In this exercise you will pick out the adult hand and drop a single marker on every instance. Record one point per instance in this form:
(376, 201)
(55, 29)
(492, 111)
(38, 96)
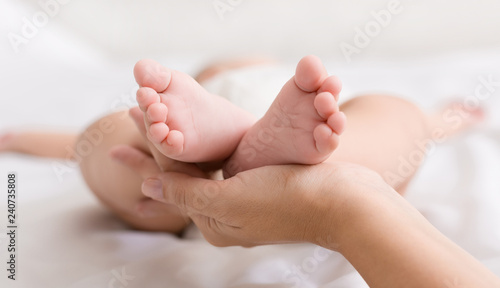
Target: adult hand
(274, 204)
(338, 206)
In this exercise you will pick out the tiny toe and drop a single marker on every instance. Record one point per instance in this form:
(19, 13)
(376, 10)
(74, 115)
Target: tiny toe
(149, 73)
(325, 104)
(326, 139)
(157, 112)
(310, 73)
(174, 142)
(333, 85)
(146, 96)
(158, 132)
(337, 122)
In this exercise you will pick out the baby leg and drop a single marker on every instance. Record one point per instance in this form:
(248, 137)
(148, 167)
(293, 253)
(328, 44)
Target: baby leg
(382, 132)
(391, 135)
(115, 185)
(53, 145)
(303, 126)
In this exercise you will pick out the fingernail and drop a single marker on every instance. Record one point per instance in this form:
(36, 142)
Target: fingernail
(153, 188)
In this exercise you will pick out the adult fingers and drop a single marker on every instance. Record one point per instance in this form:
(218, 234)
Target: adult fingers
(192, 195)
(136, 160)
(149, 208)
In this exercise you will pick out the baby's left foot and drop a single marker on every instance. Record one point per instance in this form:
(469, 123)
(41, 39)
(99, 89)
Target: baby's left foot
(183, 120)
(302, 126)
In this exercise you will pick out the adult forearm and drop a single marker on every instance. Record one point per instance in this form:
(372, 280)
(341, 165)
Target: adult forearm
(392, 245)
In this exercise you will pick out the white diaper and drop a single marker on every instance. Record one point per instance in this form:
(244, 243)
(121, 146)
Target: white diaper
(251, 88)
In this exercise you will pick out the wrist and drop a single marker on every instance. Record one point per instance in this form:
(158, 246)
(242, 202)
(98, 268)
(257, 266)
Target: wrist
(388, 241)
(350, 202)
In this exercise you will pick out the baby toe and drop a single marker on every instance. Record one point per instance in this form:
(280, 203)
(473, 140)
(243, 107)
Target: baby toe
(157, 132)
(333, 85)
(337, 122)
(310, 73)
(326, 140)
(325, 104)
(174, 143)
(157, 112)
(145, 97)
(149, 73)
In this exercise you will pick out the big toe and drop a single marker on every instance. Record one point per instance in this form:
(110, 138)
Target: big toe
(310, 73)
(149, 73)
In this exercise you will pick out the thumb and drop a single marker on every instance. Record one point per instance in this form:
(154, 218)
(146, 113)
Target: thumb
(135, 159)
(191, 194)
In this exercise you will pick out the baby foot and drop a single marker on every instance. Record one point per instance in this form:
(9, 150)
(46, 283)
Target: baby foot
(184, 121)
(302, 125)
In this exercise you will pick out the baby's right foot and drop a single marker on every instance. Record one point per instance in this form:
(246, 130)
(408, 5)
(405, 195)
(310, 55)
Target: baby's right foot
(302, 126)
(183, 120)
